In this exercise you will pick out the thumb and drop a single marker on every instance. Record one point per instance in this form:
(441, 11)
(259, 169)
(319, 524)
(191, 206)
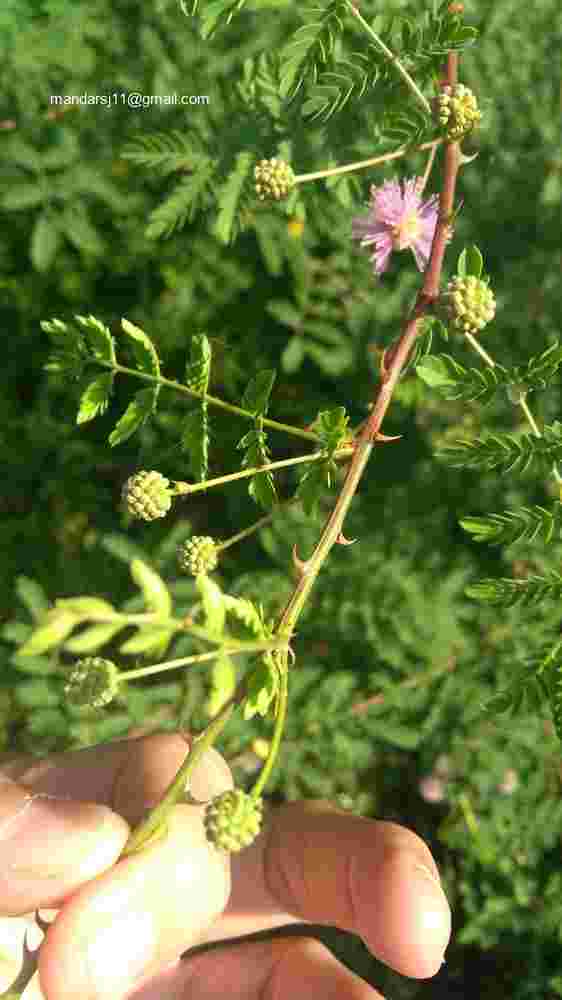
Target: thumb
(51, 845)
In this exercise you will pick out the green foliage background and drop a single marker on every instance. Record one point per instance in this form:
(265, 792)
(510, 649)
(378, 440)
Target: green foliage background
(389, 620)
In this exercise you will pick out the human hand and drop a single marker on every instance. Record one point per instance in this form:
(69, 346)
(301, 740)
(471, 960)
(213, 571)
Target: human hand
(311, 863)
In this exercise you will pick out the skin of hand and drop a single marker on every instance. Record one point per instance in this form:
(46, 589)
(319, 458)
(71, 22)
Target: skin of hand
(121, 926)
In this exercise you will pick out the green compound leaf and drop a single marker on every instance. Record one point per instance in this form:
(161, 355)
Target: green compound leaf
(470, 262)
(156, 595)
(313, 484)
(246, 612)
(515, 525)
(198, 368)
(507, 592)
(138, 411)
(195, 430)
(262, 485)
(223, 684)
(70, 352)
(45, 241)
(91, 639)
(505, 451)
(214, 606)
(230, 197)
(143, 349)
(56, 626)
(331, 427)
(98, 337)
(31, 593)
(215, 14)
(148, 640)
(311, 48)
(258, 391)
(195, 441)
(95, 398)
(262, 688)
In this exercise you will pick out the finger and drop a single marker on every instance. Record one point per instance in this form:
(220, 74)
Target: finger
(297, 967)
(161, 890)
(375, 879)
(136, 918)
(49, 846)
(313, 863)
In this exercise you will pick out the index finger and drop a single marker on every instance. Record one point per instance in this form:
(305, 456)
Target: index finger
(48, 847)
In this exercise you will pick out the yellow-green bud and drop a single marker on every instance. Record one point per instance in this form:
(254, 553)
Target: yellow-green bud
(198, 555)
(274, 179)
(92, 682)
(516, 393)
(233, 820)
(468, 304)
(147, 495)
(456, 111)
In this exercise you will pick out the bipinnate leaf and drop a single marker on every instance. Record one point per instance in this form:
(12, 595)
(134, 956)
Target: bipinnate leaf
(95, 398)
(470, 262)
(138, 411)
(195, 429)
(262, 688)
(258, 391)
(156, 595)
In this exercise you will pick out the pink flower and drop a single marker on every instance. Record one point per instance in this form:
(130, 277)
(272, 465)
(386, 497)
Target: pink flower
(431, 789)
(397, 220)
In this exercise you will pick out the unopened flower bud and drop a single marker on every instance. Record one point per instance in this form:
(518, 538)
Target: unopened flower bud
(274, 179)
(516, 393)
(92, 683)
(233, 820)
(468, 304)
(431, 788)
(147, 495)
(509, 783)
(198, 555)
(456, 111)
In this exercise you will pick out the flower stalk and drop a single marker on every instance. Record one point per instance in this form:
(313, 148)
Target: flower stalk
(374, 161)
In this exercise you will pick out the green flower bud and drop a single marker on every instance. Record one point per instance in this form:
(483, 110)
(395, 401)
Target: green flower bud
(516, 393)
(456, 111)
(468, 304)
(274, 179)
(93, 682)
(233, 820)
(147, 496)
(198, 555)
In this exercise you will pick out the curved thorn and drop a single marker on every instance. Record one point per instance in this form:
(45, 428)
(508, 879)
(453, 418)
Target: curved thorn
(387, 437)
(342, 540)
(292, 655)
(302, 567)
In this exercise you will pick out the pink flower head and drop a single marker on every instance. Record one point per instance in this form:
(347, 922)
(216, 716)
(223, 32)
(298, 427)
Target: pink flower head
(397, 220)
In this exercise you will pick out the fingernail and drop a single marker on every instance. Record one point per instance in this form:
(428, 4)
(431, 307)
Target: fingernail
(428, 874)
(430, 885)
(119, 954)
(43, 836)
(436, 914)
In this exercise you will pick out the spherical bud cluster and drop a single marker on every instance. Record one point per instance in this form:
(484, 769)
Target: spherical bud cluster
(147, 496)
(198, 555)
(233, 820)
(468, 304)
(456, 110)
(92, 683)
(274, 179)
